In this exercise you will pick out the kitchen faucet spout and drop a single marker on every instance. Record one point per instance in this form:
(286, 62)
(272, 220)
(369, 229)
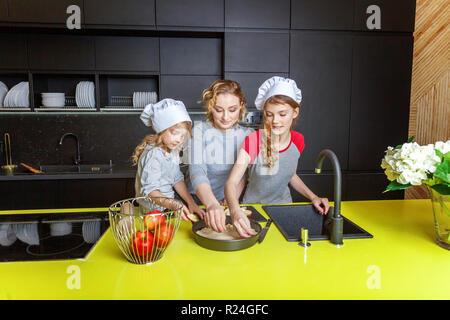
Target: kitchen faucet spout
(77, 159)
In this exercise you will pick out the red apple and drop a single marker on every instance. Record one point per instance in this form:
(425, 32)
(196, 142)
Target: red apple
(142, 243)
(163, 235)
(153, 219)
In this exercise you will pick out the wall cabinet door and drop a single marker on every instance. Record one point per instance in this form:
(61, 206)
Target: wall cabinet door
(42, 11)
(3, 10)
(186, 88)
(396, 15)
(61, 52)
(13, 52)
(191, 56)
(381, 85)
(257, 13)
(321, 65)
(127, 53)
(256, 52)
(119, 12)
(192, 13)
(322, 14)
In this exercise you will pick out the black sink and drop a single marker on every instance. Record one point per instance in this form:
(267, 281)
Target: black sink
(291, 218)
(82, 168)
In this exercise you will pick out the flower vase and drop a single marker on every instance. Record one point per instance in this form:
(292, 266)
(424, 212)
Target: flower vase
(441, 212)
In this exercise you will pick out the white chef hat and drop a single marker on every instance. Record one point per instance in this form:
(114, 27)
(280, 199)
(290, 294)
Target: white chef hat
(277, 85)
(164, 114)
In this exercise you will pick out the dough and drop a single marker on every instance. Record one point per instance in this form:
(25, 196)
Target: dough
(229, 234)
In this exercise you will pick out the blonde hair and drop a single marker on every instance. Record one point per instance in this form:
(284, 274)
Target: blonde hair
(269, 149)
(210, 94)
(156, 140)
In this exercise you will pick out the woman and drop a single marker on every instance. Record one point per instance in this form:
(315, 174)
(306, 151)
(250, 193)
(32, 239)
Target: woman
(213, 148)
(271, 154)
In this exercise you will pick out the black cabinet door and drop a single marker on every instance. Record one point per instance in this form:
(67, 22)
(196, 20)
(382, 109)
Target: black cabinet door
(322, 14)
(57, 52)
(256, 52)
(398, 15)
(321, 65)
(119, 12)
(127, 53)
(42, 11)
(192, 13)
(250, 83)
(257, 13)
(13, 52)
(186, 88)
(3, 10)
(190, 56)
(381, 84)
(368, 186)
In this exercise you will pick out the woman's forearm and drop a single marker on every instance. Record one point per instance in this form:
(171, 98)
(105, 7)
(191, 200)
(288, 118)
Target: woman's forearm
(205, 194)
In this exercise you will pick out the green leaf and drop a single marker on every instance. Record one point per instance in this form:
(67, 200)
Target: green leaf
(439, 154)
(442, 171)
(442, 188)
(394, 185)
(398, 147)
(411, 139)
(447, 156)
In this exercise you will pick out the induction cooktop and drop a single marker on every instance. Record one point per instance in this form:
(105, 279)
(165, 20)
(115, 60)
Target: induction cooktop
(50, 236)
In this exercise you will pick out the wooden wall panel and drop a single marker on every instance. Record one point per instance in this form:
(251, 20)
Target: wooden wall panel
(430, 105)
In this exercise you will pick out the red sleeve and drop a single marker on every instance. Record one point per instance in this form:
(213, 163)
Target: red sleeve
(299, 140)
(251, 145)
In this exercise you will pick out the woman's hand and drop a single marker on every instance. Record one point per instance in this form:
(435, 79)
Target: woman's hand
(321, 204)
(194, 208)
(184, 213)
(241, 223)
(215, 217)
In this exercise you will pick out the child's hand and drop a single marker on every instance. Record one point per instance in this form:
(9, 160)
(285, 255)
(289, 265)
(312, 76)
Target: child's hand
(321, 204)
(242, 224)
(194, 208)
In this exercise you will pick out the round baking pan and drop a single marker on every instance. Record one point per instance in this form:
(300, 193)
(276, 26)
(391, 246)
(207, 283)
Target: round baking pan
(225, 245)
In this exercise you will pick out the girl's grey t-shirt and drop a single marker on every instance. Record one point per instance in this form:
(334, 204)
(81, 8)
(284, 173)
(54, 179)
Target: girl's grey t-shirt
(157, 170)
(211, 155)
(271, 186)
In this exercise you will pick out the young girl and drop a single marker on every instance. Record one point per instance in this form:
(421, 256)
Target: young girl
(272, 153)
(214, 147)
(157, 157)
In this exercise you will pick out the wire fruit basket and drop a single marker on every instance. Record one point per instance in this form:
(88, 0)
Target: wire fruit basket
(143, 227)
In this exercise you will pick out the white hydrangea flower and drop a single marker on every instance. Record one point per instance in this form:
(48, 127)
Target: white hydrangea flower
(443, 147)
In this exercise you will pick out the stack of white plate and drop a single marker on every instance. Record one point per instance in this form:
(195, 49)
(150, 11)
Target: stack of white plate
(141, 99)
(91, 231)
(3, 91)
(60, 228)
(84, 96)
(7, 235)
(53, 99)
(27, 232)
(17, 96)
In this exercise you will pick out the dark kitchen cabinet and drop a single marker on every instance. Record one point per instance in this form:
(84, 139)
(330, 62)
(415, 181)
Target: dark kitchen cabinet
(18, 195)
(127, 53)
(256, 52)
(396, 15)
(380, 97)
(61, 52)
(42, 11)
(186, 88)
(250, 83)
(257, 14)
(321, 66)
(192, 13)
(3, 10)
(191, 56)
(13, 52)
(119, 12)
(322, 14)
(368, 186)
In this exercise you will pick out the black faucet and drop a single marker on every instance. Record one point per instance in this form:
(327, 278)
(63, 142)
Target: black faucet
(76, 160)
(335, 222)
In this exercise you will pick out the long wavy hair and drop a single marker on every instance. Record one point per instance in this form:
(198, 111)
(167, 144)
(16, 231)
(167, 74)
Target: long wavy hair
(210, 94)
(269, 149)
(156, 140)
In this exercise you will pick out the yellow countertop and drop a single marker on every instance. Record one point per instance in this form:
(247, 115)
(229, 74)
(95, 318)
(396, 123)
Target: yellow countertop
(402, 261)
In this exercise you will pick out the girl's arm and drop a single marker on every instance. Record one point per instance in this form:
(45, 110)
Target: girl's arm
(215, 215)
(321, 204)
(183, 192)
(240, 220)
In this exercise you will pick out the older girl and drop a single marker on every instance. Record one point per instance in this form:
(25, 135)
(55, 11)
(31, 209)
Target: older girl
(271, 154)
(213, 148)
(157, 156)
